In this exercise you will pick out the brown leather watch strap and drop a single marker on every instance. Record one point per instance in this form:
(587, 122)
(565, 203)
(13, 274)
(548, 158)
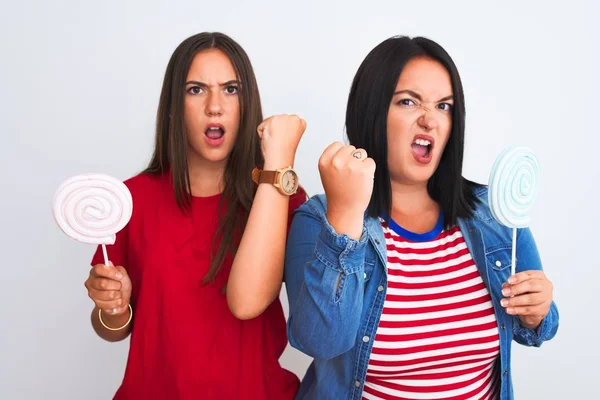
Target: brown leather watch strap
(259, 176)
(267, 177)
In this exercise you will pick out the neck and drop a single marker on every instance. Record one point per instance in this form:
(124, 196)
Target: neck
(206, 178)
(413, 208)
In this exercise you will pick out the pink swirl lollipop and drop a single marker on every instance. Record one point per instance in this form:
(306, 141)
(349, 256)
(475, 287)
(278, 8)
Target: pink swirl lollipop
(92, 208)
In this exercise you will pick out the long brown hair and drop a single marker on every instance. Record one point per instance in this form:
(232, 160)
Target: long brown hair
(170, 153)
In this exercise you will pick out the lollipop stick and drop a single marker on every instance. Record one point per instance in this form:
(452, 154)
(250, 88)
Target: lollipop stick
(105, 255)
(513, 265)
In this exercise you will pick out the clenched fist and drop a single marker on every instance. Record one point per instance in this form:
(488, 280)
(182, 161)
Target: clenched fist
(347, 175)
(110, 289)
(280, 136)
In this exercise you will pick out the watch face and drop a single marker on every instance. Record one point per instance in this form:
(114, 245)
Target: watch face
(289, 182)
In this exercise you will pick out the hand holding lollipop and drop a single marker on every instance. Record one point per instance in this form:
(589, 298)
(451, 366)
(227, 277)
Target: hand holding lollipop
(92, 208)
(513, 187)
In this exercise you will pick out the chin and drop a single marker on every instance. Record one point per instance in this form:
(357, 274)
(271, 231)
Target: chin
(413, 177)
(216, 158)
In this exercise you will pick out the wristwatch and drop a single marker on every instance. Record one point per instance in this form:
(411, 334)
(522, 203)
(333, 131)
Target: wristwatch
(284, 179)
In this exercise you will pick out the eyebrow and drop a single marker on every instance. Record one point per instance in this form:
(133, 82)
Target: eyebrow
(228, 83)
(418, 96)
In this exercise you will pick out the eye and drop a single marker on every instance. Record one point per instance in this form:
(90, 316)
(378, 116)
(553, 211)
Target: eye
(195, 90)
(445, 106)
(407, 102)
(231, 89)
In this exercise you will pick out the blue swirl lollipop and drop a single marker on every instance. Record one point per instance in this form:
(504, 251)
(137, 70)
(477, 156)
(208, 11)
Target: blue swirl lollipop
(513, 188)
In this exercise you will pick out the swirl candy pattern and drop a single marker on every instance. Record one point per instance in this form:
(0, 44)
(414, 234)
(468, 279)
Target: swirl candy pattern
(92, 208)
(513, 188)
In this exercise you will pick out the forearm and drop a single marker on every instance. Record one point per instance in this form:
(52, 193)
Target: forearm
(257, 270)
(112, 322)
(325, 286)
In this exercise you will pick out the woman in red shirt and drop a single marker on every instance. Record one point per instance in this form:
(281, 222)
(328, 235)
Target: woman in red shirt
(197, 271)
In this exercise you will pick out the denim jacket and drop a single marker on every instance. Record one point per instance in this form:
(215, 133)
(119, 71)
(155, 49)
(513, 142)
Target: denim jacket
(336, 289)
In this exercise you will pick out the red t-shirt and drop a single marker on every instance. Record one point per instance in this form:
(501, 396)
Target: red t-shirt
(185, 343)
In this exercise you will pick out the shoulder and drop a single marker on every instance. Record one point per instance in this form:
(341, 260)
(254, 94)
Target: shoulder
(143, 183)
(484, 219)
(148, 188)
(481, 211)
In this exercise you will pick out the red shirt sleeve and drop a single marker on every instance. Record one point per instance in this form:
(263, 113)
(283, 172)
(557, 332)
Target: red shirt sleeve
(296, 200)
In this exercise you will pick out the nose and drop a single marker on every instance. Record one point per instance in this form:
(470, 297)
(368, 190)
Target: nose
(427, 120)
(213, 105)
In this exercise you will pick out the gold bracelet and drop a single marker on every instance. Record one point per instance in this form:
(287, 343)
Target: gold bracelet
(115, 329)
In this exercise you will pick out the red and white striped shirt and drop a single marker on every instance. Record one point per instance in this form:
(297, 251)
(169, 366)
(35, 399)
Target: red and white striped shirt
(438, 335)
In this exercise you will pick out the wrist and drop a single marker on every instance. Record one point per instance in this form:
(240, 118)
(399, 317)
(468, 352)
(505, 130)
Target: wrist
(275, 163)
(531, 322)
(118, 321)
(346, 223)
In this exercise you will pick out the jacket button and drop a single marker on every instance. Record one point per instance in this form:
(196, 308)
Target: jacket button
(377, 241)
(505, 373)
(357, 383)
(498, 264)
(380, 288)
(503, 327)
(366, 339)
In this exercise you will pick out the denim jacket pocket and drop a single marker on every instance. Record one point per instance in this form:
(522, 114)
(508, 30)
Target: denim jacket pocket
(499, 257)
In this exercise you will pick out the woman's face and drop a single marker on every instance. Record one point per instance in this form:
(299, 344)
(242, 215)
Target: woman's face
(419, 121)
(211, 106)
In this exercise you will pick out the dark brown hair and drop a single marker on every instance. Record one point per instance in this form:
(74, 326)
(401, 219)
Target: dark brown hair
(170, 153)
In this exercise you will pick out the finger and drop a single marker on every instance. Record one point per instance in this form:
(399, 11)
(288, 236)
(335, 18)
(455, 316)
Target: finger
(99, 267)
(303, 124)
(525, 275)
(105, 295)
(101, 270)
(105, 284)
(529, 286)
(121, 270)
(262, 126)
(526, 310)
(534, 299)
(371, 166)
(345, 153)
(110, 305)
(330, 151)
(359, 154)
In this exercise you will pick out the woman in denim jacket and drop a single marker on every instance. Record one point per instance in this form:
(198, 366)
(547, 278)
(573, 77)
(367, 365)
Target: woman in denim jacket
(398, 278)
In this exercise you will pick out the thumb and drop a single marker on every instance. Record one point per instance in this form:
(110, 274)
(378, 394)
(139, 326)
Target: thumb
(122, 270)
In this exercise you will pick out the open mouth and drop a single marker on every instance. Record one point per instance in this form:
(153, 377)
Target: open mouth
(214, 132)
(422, 148)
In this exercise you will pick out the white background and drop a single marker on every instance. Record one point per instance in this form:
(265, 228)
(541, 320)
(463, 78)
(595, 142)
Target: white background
(79, 87)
